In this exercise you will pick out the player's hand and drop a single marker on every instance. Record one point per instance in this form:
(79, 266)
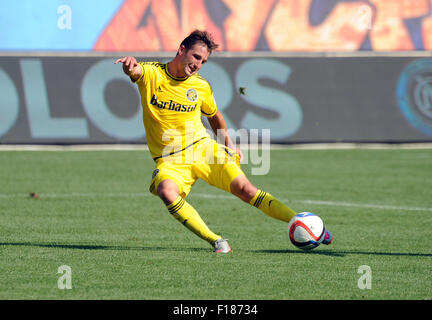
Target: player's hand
(240, 153)
(129, 63)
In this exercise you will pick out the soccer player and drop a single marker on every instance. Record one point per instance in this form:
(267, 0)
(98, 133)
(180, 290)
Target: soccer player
(174, 97)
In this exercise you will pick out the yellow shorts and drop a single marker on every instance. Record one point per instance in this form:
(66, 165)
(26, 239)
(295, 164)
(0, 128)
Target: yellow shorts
(207, 160)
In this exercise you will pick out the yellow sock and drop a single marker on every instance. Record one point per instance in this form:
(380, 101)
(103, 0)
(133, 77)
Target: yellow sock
(186, 214)
(272, 206)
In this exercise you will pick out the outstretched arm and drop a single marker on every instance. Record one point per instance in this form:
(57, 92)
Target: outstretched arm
(130, 67)
(219, 127)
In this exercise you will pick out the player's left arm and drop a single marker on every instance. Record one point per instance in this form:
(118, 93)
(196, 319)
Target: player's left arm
(219, 127)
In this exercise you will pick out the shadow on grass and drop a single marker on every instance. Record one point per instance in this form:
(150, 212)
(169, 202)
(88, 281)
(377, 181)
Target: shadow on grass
(96, 247)
(333, 253)
(344, 253)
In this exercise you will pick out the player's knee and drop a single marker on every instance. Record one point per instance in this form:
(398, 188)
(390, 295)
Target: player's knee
(249, 191)
(168, 191)
(244, 190)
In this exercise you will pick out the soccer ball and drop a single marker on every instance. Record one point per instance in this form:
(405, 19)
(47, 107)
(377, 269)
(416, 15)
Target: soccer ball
(306, 230)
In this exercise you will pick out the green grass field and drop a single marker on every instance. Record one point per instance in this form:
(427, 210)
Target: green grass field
(94, 214)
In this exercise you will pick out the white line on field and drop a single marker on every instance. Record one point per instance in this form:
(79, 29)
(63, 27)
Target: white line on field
(214, 196)
(331, 203)
(362, 205)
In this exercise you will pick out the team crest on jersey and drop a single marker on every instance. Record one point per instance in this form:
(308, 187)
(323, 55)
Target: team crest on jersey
(192, 95)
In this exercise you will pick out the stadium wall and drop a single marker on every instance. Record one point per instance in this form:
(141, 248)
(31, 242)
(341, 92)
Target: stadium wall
(303, 98)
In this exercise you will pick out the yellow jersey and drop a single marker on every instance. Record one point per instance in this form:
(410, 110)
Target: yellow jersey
(172, 108)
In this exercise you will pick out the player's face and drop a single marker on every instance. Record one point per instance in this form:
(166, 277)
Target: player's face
(193, 59)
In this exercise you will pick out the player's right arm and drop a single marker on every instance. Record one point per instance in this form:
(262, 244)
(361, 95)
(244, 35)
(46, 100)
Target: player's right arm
(131, 67)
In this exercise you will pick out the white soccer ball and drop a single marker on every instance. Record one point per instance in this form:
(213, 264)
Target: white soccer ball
(306, 230)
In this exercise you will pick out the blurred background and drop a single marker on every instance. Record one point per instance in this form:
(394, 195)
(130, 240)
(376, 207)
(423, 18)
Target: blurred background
(309, 70)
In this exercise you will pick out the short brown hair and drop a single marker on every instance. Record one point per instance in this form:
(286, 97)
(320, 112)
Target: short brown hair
(197, 36)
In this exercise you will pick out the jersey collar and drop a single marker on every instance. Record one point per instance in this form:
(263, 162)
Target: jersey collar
(171, 76)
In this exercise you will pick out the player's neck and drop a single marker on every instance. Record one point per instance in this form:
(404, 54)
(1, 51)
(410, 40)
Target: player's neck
(174, 70)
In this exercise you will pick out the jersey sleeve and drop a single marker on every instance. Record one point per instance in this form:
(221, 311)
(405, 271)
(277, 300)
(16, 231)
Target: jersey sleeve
(140, 79)
(148, 71)
(208, 107)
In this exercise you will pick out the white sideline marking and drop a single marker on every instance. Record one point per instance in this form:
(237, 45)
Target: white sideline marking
(362, 205)
(328, 203)
(214, 196)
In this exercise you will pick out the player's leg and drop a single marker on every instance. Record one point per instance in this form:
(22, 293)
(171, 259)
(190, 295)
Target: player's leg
(231, 178)
(181, 210)
(267, 203)
(225, 173)
(245, 190)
